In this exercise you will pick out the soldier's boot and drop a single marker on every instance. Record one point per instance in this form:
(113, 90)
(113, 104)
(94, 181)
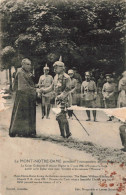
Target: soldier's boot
(61, 126)
(43, 111)
(48, 111)
(88, 114)
(67, 129)
(94, 114)
(60, 119)
(66, 126)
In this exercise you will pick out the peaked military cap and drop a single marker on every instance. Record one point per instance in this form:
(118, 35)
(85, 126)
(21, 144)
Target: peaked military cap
(108, 75)
(70, 71)
(58, 63)
(87, 73)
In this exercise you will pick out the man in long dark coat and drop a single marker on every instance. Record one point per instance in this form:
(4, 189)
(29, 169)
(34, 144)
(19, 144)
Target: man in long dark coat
(23, 120)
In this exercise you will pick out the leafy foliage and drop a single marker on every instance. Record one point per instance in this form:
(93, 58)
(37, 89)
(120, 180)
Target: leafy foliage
(86, 33)
(6, 55)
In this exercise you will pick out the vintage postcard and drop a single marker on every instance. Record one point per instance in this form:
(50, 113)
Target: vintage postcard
(62, 97)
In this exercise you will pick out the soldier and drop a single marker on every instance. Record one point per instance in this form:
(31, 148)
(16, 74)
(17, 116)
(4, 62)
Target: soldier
(108, 92)
(62, 88)
(100, 84)
(73, 95)
(89, 94)
(45, 82)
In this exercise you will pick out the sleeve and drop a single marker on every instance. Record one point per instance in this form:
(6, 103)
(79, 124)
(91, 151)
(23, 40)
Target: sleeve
(67, 89)
(15, 83)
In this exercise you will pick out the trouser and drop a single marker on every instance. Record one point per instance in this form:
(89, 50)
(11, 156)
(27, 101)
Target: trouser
(63, 124)
(45, 106)
(43, 109)
(88, 114)
(46, 110)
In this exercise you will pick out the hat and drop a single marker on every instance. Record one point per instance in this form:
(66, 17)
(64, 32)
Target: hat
(70, 71)
(87, 73)
(109, 75)
(46, 67)
(58, 63)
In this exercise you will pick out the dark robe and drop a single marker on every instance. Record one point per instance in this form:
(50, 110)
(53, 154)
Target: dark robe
(23, 119)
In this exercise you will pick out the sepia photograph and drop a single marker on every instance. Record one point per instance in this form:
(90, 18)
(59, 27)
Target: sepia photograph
(62, 97)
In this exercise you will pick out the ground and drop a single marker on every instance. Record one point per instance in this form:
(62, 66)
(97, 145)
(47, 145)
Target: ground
(103, 141)
(102, 146)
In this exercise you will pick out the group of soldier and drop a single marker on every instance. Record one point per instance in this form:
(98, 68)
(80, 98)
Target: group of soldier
(66, 90)
(107, 92)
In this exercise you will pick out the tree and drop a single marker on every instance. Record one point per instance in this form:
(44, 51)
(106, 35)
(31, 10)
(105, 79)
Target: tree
(86, 33)
(7, 55)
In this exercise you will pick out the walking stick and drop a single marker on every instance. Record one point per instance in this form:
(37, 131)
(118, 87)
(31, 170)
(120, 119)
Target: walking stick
(80, 123)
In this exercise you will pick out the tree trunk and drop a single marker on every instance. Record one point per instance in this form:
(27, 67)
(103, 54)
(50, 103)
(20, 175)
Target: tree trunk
(6, 76)
(10, 79)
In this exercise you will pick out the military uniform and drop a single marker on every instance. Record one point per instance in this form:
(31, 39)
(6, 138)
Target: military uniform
(108, 92)
(62, 86)
(73, 93)
(78, 93)
(45, 82)
(89, 92)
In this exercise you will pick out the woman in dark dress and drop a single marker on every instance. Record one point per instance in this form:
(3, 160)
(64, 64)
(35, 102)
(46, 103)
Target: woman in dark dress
(23, 119)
